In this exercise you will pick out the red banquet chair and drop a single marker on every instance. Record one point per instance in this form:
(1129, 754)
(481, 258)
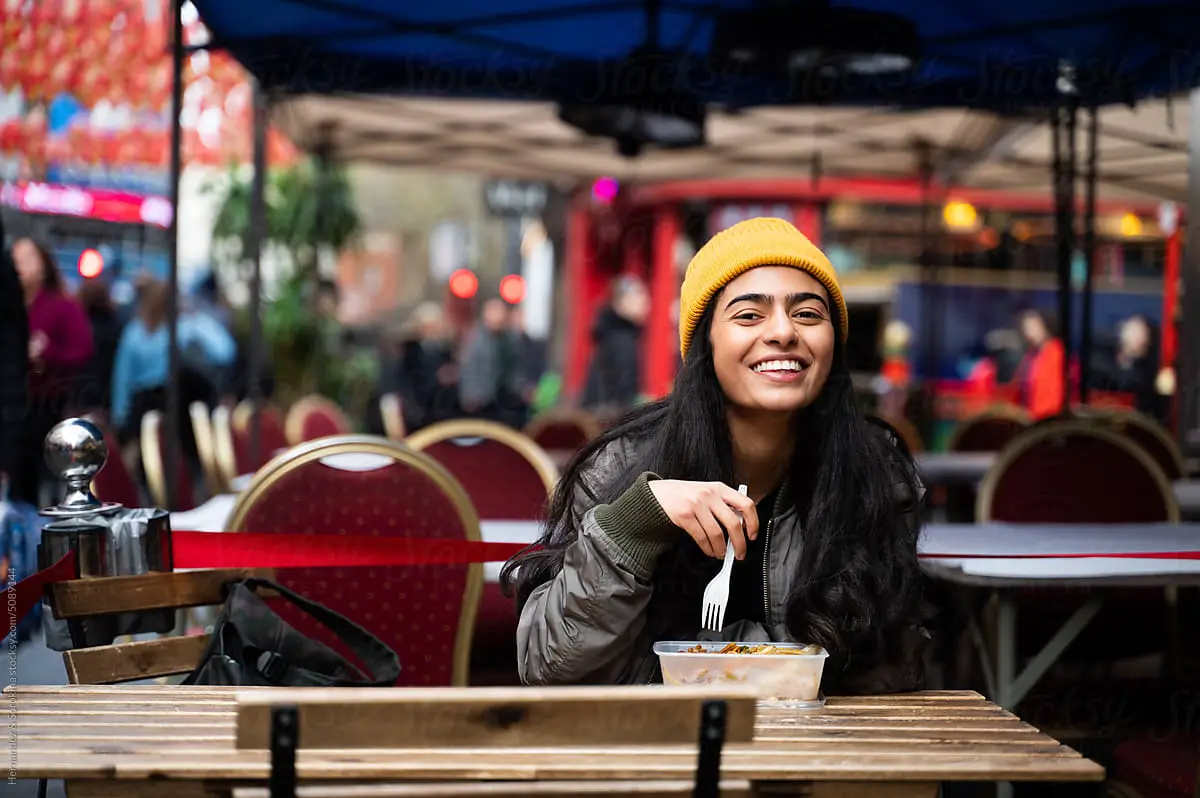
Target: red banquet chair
(272, 440)
(508, 478)
(425, 613)
(1073, 472)
(988, 431)
(315, 417)
(153, 444)
(1155, 769)
(1145, 432)
(562, 433)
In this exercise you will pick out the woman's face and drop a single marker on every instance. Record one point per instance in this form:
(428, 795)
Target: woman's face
(772, 339)
(30, 268)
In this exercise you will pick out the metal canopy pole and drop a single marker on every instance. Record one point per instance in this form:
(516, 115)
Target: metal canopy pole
(171, 446)
(1089, 250)
(1063, 136)
(1187, 382)
(257, 235)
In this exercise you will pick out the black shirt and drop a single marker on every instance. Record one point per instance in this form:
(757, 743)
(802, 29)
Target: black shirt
(746, 599)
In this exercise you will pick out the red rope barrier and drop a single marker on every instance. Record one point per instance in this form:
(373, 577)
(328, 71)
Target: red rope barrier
(200, 550)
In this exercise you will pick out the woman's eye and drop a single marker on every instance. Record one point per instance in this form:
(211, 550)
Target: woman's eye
(747, 316)
(814, 315)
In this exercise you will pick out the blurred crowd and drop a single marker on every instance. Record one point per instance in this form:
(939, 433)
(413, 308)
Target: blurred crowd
(67, 353)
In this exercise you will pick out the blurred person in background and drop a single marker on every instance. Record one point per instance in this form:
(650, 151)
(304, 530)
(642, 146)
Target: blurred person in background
(60, 345)
(614, 379)
(142, 366)
(424, 373)
(95, 380)
(1134, 367)
(531, 359)
(1040, 386)
(489, 379)
(14, 377)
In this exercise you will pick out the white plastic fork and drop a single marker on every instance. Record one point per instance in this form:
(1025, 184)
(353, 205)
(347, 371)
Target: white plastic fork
(716, 595)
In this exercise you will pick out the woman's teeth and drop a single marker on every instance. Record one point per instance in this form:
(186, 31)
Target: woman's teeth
(778, 365)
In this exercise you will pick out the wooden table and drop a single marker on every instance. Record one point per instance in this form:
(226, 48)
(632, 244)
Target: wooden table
(126, 741)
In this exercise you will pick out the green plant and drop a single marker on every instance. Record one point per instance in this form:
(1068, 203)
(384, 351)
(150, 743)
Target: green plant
(309, 208)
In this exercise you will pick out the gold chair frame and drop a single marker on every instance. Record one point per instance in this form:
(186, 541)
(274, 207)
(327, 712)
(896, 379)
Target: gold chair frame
(491, 430)
(293, 424)
(152, 457)
(206, 447)
(286, 462)
(223, 444)
(1136, 418)
(393, 417)
(1036, 435)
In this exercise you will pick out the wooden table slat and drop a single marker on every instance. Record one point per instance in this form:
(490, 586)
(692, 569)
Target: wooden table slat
(187, 735)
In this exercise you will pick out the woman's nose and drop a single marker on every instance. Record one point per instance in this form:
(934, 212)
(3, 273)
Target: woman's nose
(780, 328)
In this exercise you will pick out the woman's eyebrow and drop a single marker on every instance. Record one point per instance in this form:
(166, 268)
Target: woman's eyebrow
(766, 299)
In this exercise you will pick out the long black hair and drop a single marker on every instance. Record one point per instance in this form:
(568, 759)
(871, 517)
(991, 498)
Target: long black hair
(857, 579)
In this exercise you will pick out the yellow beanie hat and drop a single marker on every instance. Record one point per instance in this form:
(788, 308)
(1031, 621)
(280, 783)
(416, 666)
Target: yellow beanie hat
(746, 245)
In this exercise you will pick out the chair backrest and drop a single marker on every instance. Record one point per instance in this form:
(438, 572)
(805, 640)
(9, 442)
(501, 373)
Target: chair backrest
(223, 446)
(272, 437)
(989, 431)
(631, 720)
(425, 613)
(206, 446)
(146, 659)
(1145, 432)
(507, 476)
(563, 430)
(495, 717)
(1073, 472)
(153, 445)
(315, 417)
(391, 412)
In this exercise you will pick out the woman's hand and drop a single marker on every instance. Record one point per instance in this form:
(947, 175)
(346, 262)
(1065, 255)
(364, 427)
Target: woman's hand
(708, 511)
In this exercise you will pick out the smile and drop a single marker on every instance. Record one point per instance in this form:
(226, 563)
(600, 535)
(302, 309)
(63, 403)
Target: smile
(779, 367)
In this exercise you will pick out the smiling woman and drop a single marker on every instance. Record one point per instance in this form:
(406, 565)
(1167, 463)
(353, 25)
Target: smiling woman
(826, 537)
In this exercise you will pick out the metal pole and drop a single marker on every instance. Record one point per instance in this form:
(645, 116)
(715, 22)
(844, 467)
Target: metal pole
(1089, 250)
(929, 280)
(257, 235)
(172, 444)
(1187, 383)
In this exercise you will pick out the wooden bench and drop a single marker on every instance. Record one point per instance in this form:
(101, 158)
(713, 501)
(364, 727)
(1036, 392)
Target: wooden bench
(148, 659)
(424, 721)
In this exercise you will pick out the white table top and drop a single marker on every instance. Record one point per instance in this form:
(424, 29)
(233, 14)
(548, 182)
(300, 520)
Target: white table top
(940, 468)
(1187, 494)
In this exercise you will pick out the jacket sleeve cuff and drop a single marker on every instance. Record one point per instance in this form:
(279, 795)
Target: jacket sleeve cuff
(637, 523)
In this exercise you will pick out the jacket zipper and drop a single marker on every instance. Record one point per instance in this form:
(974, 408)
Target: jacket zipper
(767, 575)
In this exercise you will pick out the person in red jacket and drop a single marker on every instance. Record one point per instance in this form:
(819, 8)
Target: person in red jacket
(60, 345)
(1040, 385)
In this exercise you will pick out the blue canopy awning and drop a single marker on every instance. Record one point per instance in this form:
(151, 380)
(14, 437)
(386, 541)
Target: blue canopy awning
(986, 54)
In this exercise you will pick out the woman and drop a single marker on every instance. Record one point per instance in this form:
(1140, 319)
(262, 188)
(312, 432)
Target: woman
(1040, 384)
(60, 344)
(637, 526)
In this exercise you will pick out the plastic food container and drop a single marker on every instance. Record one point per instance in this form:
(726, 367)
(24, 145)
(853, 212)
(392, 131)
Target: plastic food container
(793, 679)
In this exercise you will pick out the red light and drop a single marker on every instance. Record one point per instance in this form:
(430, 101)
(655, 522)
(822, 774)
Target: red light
(464, 284)
(91, 263)
(512, 288)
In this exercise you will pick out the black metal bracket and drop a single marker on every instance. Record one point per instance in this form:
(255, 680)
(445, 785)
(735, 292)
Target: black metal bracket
(285, 731)
(712, 740)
